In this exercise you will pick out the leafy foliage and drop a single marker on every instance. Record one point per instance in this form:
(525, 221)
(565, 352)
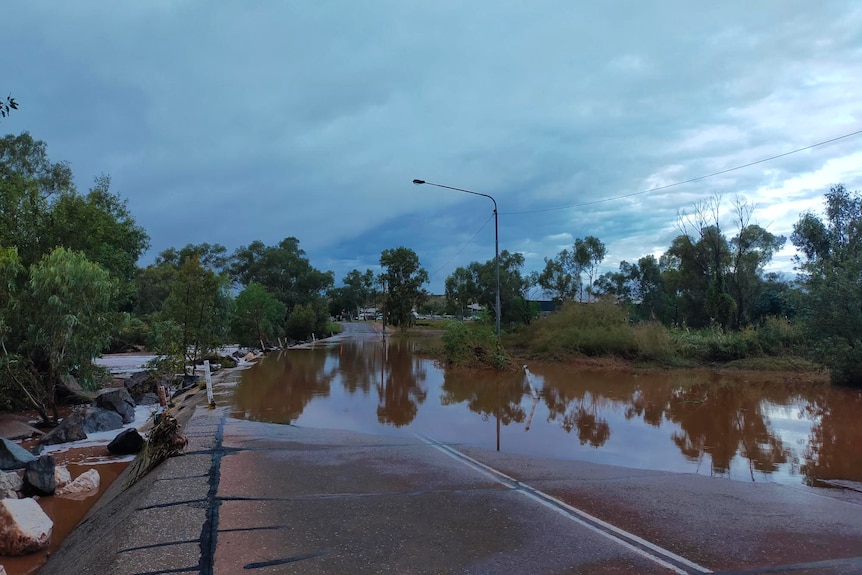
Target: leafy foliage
(258, 316)
(200, 303)
(7, 105)
(64, 318)
(404, 278)
(831, 266)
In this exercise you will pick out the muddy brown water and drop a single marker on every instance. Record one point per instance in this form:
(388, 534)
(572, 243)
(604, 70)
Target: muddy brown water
(744, 427)
(67, 512)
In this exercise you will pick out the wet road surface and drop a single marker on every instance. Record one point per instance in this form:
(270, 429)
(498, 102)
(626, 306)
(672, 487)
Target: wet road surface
(303, 500)
(314, 501)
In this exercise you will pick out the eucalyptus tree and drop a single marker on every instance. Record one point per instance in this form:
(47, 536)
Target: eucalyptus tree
(286, 273)
(403, 277)
(477, 283)
(589, 252)
(358, 289)
(641, 286)
(751, 249)
(258, 317)
(54, 324)
(830, 262)
(461, 290)
(557, 278)
(100, 225)
(199, 303)
(41, 210)
(563, 276)
(28, 179)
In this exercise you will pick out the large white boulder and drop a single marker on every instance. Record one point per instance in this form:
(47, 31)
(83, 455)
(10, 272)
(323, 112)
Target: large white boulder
(24, 527)
(86, 484)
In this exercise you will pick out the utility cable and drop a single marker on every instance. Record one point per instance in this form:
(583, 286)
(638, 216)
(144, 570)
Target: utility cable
(467, 243)
(697, 179)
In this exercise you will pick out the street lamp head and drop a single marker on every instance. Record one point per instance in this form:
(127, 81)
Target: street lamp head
(417, 182)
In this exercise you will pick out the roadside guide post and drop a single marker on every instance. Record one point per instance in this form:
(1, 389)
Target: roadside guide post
(209, 380)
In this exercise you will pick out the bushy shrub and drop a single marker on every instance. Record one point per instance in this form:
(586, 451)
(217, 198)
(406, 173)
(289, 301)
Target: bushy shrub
(777, 335)
(471, 344)
(600, 328)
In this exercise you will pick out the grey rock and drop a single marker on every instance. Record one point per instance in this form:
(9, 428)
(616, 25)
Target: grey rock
(13, 456)
(140, 383)
(148, 399)
(39, 476)
(117, 399)
(82, 421)
(97, 419)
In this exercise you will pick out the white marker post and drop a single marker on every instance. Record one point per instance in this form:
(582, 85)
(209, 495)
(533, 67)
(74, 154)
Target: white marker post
(209, 380)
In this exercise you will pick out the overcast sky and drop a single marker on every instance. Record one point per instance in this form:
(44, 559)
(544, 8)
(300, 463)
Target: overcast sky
(229, 122)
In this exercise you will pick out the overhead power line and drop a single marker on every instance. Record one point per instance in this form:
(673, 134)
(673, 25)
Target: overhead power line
(697, 179)
(467, 243)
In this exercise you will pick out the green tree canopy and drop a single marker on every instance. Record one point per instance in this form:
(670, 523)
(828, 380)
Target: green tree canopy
(64, 319)
(404, 279)
(200, 303)
(830, 262)
(258, 317)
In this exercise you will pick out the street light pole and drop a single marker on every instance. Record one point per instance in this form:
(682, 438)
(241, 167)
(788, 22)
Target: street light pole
(496, 239)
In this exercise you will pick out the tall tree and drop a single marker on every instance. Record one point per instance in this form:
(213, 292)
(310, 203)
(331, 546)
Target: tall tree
(404, 278)
(514, 287)
(100, 225)
(557, 279)
(258, 317)
(200, 303)
(751, 249)
(359, 289)
(461, 290)
(830, 262)
(588, 254)
(27, 180)
(67, 310)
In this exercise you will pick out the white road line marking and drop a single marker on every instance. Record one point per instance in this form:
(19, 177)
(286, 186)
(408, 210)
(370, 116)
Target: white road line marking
(580, 517)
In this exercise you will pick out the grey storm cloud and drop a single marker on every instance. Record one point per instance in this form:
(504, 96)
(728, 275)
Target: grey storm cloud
(231, 122)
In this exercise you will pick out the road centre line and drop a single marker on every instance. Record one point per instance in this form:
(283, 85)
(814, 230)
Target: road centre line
(630, 541)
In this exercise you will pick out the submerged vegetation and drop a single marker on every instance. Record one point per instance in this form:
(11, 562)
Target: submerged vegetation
(604, 329)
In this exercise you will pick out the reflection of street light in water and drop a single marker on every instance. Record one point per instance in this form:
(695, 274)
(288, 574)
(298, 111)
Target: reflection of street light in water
(498, 413)
(535, 393)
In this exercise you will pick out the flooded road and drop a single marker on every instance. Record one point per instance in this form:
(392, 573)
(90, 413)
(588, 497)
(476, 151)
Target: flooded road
(696, 422)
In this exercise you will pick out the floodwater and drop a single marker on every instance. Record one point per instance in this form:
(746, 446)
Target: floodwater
(698, 422)
(66, 512)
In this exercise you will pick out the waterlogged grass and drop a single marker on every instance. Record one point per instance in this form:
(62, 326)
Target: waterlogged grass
(603, 329)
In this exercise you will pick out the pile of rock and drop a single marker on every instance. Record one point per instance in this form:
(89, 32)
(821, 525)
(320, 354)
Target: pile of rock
(24, 527)
(112, 408)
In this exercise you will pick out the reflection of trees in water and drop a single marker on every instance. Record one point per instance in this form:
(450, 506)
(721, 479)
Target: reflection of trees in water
(834, 450)
(402, 389)
(278, 389)
(718, 418)
(721, 420)
(578, 409)
(359, 364)
(485, 392)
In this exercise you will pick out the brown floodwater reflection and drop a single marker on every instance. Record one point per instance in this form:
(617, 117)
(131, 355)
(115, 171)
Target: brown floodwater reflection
(699, 422)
